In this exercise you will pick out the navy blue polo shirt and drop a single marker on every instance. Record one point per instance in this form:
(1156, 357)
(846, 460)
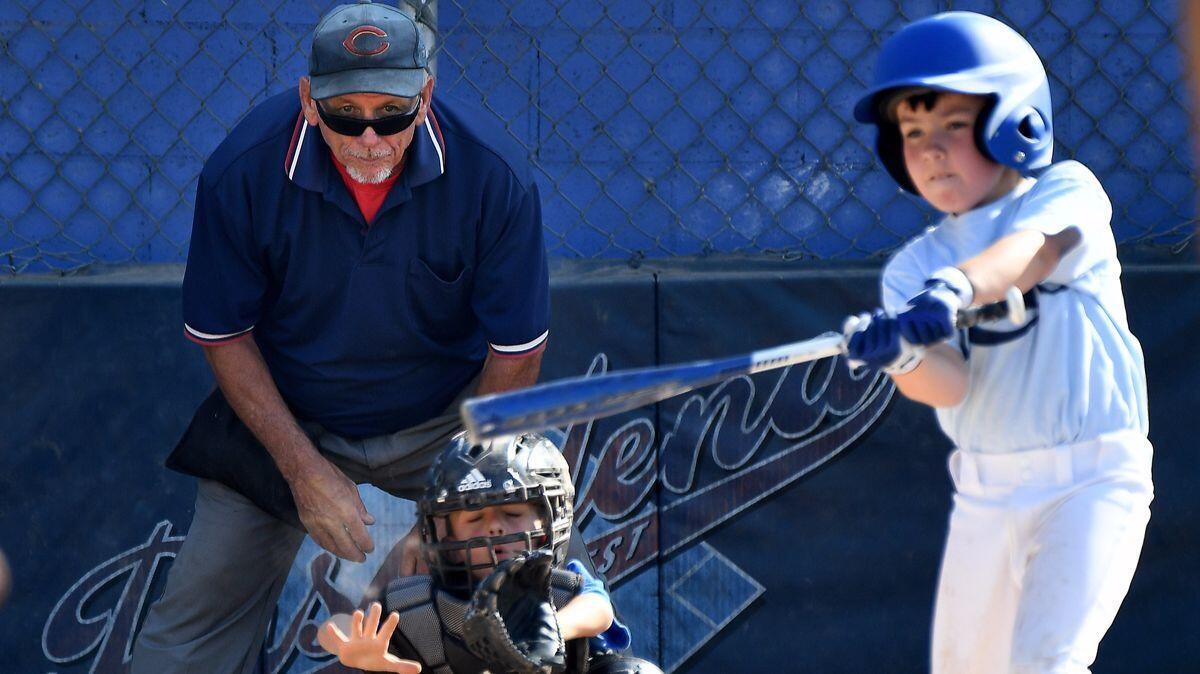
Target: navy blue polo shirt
(368, 330)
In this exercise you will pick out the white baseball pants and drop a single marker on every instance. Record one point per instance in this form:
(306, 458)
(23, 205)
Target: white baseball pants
(1041, 549)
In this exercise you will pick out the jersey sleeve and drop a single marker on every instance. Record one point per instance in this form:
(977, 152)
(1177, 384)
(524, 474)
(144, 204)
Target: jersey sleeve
(511, 298)
(1069, 195)
(902, 279)
(225, 278)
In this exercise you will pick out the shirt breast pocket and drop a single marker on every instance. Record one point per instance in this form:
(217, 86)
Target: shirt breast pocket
(440, 307)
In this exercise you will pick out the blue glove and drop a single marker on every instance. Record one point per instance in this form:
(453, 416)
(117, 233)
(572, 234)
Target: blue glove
(931, 315)
(873, 340)
(617, 637)
(591, 583)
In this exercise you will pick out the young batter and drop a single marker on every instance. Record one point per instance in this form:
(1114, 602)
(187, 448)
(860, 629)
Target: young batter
(1052, 466)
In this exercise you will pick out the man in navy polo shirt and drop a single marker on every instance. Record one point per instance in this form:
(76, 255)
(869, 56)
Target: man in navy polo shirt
(361, 258)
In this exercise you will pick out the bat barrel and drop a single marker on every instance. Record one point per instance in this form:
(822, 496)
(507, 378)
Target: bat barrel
(567, 401)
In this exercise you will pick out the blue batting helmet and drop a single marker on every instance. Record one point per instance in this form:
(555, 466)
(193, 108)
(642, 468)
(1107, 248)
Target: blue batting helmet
(965, 53)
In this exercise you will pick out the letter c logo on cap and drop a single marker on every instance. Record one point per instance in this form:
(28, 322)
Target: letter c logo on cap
(348, 43)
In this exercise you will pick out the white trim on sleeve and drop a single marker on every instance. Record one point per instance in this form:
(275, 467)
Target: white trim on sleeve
(210, 337)
(532, 344)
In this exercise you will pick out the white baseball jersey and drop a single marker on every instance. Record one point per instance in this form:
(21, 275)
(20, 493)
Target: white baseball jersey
(1073, 371)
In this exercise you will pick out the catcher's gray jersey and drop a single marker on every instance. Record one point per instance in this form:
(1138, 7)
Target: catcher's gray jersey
(431, 623)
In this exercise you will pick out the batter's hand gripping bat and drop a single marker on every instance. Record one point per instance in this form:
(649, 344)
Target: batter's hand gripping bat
(562, 402)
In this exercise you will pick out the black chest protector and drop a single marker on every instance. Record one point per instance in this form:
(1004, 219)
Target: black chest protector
(431, 625)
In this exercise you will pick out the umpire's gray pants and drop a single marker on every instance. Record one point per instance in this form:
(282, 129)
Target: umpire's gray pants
(222, 588)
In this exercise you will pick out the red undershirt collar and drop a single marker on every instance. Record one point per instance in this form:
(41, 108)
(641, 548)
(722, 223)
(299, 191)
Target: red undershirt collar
(369, 197)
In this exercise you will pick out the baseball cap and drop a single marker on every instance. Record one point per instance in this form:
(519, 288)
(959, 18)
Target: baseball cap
(367, 48)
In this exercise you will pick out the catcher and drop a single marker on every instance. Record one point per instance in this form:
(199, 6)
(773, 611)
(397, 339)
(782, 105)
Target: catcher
(494, 521)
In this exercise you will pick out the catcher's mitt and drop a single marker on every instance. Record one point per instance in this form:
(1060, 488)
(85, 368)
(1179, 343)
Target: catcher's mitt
(511, 623)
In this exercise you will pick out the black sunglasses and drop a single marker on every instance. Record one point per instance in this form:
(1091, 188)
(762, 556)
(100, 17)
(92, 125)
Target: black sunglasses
(357, 126)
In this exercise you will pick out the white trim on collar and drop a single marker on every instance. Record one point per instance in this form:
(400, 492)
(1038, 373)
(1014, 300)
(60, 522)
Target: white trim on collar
(296, 153)
(436, 145)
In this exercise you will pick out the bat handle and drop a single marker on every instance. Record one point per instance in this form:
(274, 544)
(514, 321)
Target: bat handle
(1011, 307)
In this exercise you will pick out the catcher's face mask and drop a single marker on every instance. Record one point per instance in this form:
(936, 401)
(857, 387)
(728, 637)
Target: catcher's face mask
(470, 543)
(495, 522)
(484, 503)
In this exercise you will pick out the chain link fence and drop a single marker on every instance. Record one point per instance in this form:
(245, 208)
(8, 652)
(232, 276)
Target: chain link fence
(657, 128)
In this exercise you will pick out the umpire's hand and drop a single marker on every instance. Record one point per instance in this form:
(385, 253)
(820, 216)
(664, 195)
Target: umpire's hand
(331, 509)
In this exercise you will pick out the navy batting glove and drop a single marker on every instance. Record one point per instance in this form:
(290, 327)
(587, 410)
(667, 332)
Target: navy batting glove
(873, 341)
(929, 318)
(931, 315)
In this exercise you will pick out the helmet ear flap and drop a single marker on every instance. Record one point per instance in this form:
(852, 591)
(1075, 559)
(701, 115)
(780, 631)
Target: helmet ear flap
(1023, 139)
(890, 148)
(1032, 126)
(982, 122)
(1033, 131)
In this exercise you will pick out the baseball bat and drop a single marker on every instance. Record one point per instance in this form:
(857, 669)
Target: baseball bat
(562, 402)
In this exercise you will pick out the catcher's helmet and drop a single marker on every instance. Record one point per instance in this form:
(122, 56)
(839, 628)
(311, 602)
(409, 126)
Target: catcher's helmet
(965, 53)
(514, 469)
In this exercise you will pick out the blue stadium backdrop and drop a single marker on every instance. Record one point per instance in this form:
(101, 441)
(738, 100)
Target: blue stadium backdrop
(705, 194)
(667, 128)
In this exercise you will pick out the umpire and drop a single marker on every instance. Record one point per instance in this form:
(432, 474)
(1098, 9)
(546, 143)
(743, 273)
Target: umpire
(361, 258)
